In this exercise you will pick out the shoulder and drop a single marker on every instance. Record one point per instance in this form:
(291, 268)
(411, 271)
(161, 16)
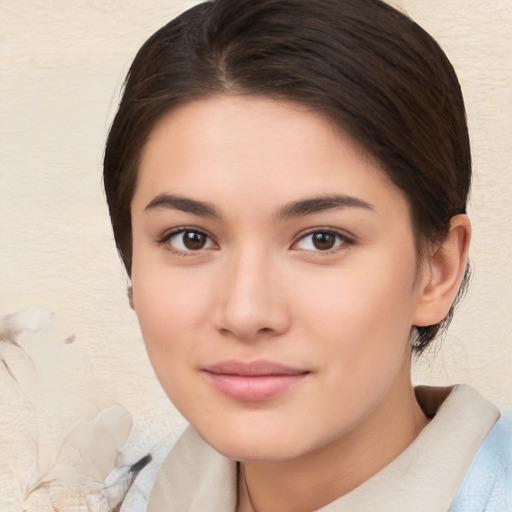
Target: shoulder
(488, 483)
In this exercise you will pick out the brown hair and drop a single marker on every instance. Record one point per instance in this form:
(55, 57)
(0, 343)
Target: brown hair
(368, 67)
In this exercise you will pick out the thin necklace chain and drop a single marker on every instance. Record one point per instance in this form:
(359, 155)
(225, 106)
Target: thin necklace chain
(246, 488)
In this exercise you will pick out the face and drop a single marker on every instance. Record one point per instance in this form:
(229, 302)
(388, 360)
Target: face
(274, 275)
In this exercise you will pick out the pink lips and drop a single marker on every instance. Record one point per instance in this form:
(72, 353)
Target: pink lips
(253, 382)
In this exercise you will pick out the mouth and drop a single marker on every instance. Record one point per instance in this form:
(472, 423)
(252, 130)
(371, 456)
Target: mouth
(255, 381)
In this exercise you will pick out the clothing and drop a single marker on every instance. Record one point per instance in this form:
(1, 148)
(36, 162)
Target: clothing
(488, 483)
(426, 477)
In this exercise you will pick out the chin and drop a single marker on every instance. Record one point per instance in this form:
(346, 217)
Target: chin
(256, 452)
(255, 445)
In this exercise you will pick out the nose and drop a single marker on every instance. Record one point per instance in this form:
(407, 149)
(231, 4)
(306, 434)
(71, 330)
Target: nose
(251, 300)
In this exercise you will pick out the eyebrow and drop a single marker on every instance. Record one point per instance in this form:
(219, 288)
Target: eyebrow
(314, 205)
(303, 207)
(184, 204)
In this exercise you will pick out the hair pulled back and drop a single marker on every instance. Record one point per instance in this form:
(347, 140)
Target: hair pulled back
(369, 68)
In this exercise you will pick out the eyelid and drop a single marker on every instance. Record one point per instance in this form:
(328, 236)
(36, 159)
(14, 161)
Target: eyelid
(345, 238)
(167, 235)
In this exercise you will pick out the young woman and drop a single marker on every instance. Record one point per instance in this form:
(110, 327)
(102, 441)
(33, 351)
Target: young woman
(287, 183)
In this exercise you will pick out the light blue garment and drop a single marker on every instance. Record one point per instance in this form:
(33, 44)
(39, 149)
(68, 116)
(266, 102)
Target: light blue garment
(488, 483)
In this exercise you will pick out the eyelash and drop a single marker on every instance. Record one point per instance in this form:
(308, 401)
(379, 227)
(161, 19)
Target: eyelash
(341, 240)
(166, 237)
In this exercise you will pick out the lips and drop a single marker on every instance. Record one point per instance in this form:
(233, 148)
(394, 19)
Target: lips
(255, 381)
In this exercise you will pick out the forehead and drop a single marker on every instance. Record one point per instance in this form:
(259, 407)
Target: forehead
(258, 148)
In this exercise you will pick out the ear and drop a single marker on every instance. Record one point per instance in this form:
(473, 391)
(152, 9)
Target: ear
(442, 274)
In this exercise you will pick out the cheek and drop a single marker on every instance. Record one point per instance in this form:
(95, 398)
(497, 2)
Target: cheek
(167, 314)
(363, 315)
(170, 308)
(358, 298)
(361, 333)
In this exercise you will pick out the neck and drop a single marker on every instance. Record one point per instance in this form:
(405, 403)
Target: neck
(315, 479)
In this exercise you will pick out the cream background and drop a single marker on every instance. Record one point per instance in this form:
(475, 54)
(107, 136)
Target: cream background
(62, 65)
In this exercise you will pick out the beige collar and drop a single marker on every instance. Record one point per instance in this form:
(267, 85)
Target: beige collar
(425, 477)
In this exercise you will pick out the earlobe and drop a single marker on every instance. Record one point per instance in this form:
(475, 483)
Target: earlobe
(443, 273)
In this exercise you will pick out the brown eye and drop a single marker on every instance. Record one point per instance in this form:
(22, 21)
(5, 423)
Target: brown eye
(188, 240)
(322, 241)
(194, 241)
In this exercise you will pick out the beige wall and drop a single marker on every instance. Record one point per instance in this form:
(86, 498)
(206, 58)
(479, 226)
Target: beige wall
(62, 64)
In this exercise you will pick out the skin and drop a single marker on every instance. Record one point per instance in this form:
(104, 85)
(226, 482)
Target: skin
(259, 289)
